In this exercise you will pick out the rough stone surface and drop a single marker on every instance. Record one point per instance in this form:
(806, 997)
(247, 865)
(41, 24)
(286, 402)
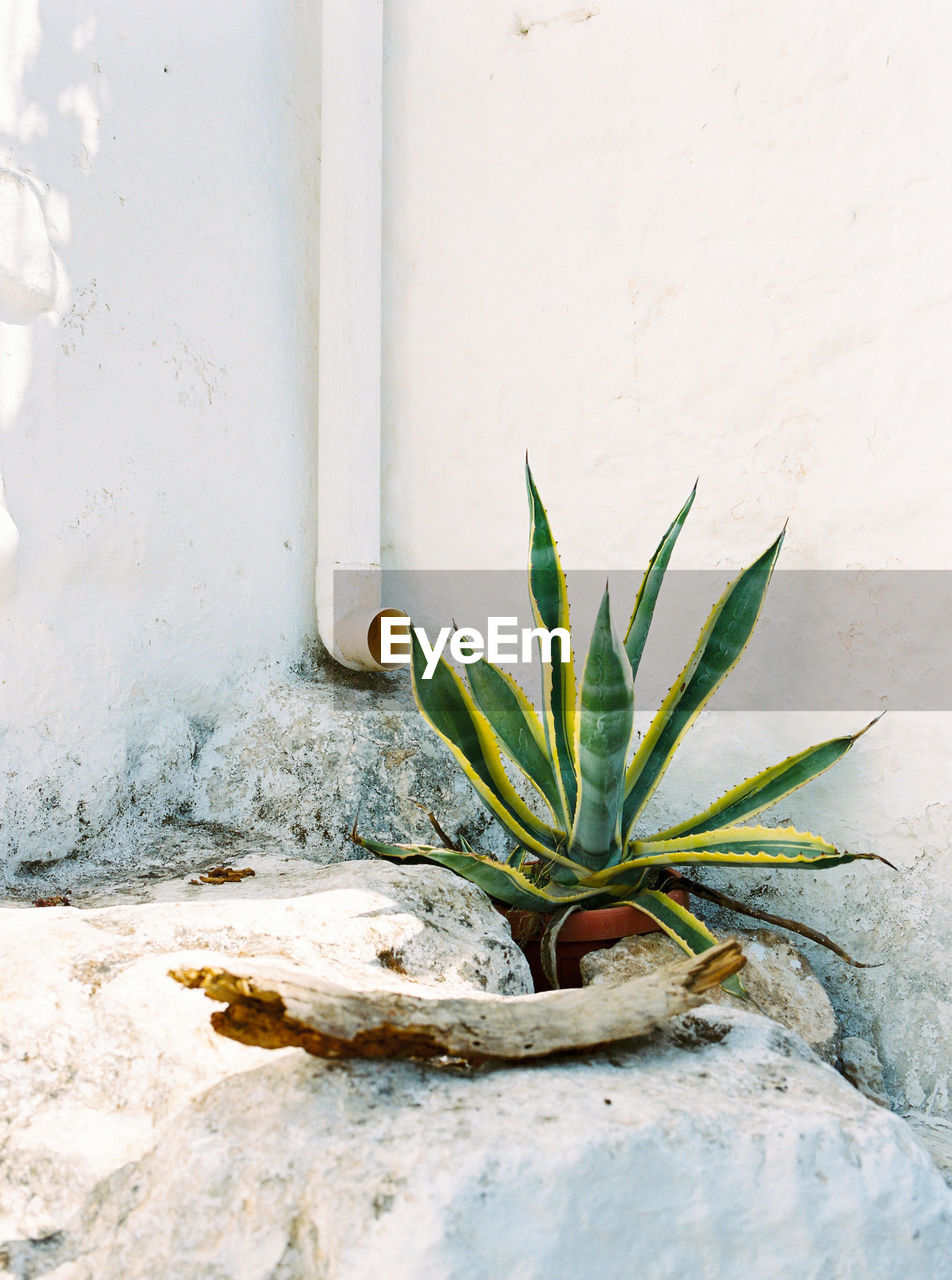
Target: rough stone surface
(138, 1144)
(291, 756)
(902, 922)
(300, 759)
(778, 978)
(162, 855)
(99, 1048)
(859, 1063)
(935, 1134)
(295, 1169)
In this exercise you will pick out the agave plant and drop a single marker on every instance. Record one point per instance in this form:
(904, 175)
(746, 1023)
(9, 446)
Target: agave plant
(592, 783)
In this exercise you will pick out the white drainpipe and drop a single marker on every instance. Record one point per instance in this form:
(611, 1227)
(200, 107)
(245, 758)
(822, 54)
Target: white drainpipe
(348, 451)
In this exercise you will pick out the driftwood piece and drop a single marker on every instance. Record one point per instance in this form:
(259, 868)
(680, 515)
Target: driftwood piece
(273, 1007)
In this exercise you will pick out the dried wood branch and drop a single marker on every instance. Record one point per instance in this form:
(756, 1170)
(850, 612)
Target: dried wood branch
(272, 1008)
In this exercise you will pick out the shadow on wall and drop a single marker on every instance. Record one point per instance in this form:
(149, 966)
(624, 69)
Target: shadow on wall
(34, 219)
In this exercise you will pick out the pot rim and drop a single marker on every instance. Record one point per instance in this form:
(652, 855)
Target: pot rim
(600, 923)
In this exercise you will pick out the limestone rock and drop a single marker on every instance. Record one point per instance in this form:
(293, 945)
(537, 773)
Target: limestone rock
(859, 1063)
(299, 758)
(777, 976)
(935, 1134)
(138, 1145)
(98, 1048)
(289, 756)
(292, 1168)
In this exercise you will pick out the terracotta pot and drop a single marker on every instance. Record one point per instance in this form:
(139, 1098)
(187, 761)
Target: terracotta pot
(583, 931)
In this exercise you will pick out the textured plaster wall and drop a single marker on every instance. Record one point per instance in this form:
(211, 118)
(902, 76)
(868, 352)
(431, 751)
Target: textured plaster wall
(650, 242)
(158, 189)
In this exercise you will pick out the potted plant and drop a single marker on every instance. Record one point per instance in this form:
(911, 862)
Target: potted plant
(578, 865)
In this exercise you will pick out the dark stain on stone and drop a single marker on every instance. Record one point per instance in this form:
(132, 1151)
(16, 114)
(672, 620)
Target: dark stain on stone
(392, 959)
(224, 875)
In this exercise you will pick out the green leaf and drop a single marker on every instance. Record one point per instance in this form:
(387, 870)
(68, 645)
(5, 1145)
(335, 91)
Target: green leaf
(765, 789)
(516, 726)
(751, 846)
(499, 880)
(718, 650)
(448, 707)
(547, 944)
(690, 933)
(516, 858)
(602, 735)
(550, 608)
(734, 846)
(647, 596)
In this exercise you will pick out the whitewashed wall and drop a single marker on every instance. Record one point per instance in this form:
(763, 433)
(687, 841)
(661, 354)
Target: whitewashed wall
(652, 241)
(157, 435)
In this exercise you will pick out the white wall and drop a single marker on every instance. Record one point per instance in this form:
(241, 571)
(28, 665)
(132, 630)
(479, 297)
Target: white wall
(664, 241)
(652, 241)
(158, 435)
